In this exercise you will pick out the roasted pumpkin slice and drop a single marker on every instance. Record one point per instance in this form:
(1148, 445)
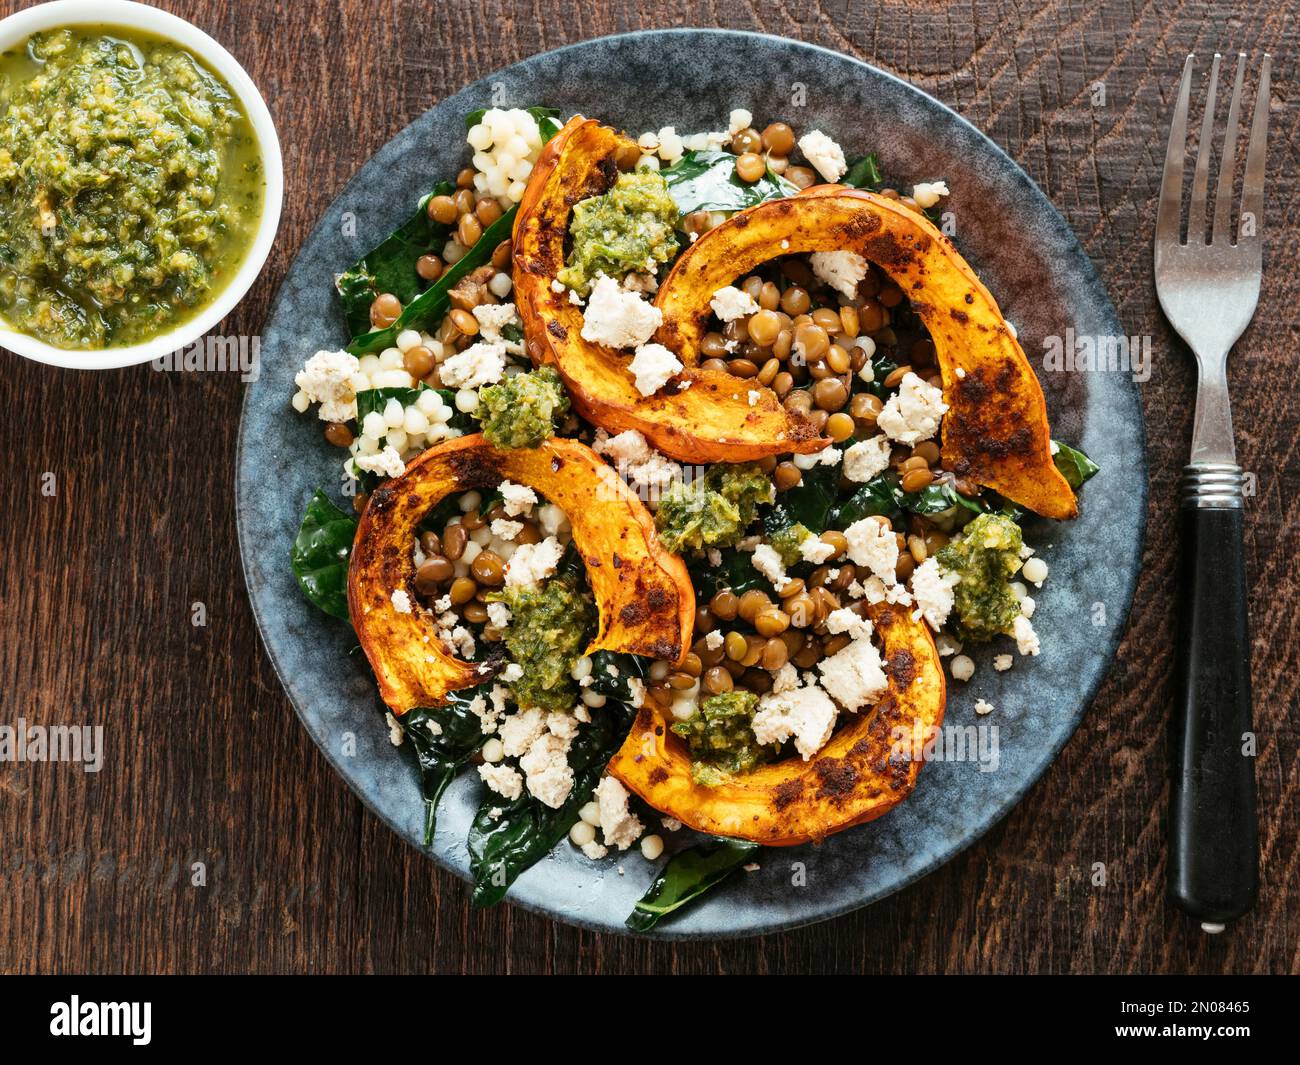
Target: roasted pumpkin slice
(995, 432)
(643, 593)
(704, 415)
(862, 773)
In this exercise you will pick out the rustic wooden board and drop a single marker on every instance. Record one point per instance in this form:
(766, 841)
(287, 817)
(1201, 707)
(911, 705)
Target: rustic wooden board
(205, 761)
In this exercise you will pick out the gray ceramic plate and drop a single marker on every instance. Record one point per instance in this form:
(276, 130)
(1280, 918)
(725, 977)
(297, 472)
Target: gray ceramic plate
(1026, 255)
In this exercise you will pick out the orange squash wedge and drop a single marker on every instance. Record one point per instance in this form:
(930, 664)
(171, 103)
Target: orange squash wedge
(643, 593)
(702, 416)
(862, 773)
(995, 432)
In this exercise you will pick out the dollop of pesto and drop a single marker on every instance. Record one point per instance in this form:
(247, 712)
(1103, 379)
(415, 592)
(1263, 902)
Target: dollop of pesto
(713, 510)
(985, 556)
(721, 738)
(523, 410)
(785, 542)
(629, 229)
(131, 187)
(550, 625)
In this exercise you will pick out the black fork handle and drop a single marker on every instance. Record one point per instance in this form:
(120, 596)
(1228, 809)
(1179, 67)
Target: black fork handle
(1213, 849)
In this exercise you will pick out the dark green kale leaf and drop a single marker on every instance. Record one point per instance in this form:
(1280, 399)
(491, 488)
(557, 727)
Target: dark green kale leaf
(390, 266)
(444, 739)
(688, 875)
(320, 554)
(1074, 465)
(707, 181)
(427, 310)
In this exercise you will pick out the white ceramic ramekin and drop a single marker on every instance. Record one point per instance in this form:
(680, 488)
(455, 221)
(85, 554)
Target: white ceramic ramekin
(140, 17)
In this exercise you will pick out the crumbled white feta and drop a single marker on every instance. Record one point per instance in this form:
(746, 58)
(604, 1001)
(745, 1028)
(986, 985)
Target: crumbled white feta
(842, 270)
(618, 318)
(932, 590)
(492, 319)
(827, 456)
(503, 779)
(653, 366)
(636, 460)
(875, 546)
(867, 459)
(395, 731)
(983, 706)
(1026, 638)
(628, 446)
(506, 529)
(517, 498)
(713, 640)
(456, 638)
(853, 675)
(532, 563)
(620, 827)
(490, 715)
(561, 724)
(520, 730)
(401, 601)
(769, 564)
(478, 365)
(816, 550)
(845, 619)
(499, 617)
(785, 679)
(806, 714)
(387, 462)
(646, 282)
(326, 378)
(546, 765)
(731, 303)
(1002, 662)
(913, 414)
(739, 119)
(962, 667)
(824, 154)
(874, 590)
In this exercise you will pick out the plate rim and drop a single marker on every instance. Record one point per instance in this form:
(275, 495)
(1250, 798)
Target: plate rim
(1085, 267)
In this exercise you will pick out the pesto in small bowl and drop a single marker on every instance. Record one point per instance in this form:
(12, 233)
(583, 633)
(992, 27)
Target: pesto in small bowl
(131, 186)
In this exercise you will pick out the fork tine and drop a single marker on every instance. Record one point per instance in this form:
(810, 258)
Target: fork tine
(1252, 186)
(1200, 181)
(1171, 184)
(1228, 164)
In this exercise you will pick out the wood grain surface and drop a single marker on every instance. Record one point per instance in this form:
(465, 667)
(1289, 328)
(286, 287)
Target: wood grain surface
(205, 760)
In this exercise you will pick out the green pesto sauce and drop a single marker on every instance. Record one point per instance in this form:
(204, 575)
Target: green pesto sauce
(986, 556)
(785, 542)
(713, 510)
(628, 230)
(550, 625)
(523, 410)
(131, 186)
(721, 738)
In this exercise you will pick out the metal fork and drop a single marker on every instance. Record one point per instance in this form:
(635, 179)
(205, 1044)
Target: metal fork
(1208, 289)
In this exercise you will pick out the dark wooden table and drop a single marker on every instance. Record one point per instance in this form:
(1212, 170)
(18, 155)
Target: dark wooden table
(205, 761)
